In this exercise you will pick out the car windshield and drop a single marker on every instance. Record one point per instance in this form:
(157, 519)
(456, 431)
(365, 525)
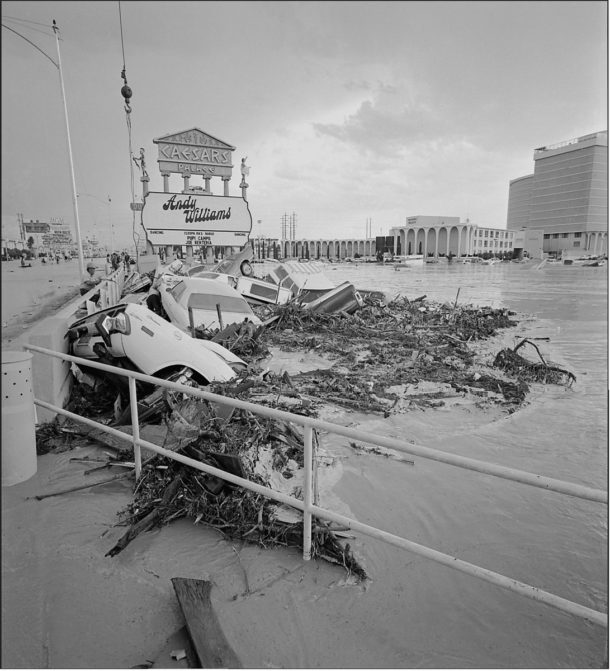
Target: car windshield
(194, 270)
(177, 291)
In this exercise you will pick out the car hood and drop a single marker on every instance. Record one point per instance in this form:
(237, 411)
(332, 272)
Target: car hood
(154, 344)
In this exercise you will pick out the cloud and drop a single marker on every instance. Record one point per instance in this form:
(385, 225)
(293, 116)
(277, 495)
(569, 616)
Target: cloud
(357, 86)
(391, 119)
(371, 128)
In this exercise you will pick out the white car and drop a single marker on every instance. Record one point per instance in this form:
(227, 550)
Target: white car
(205, 303)
(153, 345)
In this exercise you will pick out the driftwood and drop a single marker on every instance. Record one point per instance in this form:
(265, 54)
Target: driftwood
(515, 364)
(40, 497)
(208, 639)
(148, 521)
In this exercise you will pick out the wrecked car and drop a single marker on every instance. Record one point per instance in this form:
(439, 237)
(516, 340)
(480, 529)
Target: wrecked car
(343, 298)
(314, 290)
(132, 336)
(197, 302)
(262, 292)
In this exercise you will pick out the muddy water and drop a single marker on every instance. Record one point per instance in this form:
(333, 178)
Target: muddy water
(66, 605)
(554, 542)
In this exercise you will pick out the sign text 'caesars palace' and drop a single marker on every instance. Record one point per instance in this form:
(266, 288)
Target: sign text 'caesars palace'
(194, 152)
(177, 152)
(169, 219)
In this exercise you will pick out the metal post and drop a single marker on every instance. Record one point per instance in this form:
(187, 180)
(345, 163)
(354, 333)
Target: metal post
(111, 224)
(219, 312)
(81, 260)
(135, 426)
(191, 322)
(307, 491)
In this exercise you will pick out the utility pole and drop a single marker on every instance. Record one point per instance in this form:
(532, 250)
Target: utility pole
(111, 224)
(293, 226)
(81, 260)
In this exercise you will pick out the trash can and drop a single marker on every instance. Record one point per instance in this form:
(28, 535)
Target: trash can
(18, 419)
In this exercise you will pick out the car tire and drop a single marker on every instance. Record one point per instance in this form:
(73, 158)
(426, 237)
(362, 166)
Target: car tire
(245, 268)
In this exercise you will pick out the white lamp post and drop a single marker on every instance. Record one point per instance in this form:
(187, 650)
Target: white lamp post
(81, 261)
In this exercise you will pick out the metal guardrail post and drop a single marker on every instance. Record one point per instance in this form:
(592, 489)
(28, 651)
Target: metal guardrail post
(307, 491)
(135, 426)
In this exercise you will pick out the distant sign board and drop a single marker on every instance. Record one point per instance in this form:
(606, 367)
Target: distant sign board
(36, 227)
(189, 219)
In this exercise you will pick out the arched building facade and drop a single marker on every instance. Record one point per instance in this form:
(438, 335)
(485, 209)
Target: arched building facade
(434, 236)
(328, 248)
(428, 236)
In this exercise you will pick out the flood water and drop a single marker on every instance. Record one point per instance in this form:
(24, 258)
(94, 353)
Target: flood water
(66, 605)
(554, 542)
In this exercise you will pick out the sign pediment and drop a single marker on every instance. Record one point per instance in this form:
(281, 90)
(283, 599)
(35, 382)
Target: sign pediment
(194, 136)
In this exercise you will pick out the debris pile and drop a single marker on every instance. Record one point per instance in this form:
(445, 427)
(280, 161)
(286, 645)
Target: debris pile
(384, 358)
(385, 349)
(539, 371)
(263, 451)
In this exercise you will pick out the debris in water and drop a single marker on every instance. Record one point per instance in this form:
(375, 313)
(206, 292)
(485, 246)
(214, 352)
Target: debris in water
(384, 358)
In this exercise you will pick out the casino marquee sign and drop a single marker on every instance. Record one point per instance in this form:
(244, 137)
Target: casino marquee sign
(193, 152)
(193, 219)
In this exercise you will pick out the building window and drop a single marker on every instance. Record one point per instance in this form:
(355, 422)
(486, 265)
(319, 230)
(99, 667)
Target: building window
(555, 235)
(485, 243)
(547, 236)
(564, 235)
(577, 244)
(486, 234)
(577, 235)
(497, 234)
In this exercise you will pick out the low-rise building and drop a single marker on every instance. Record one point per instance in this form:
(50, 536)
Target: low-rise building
(497, 241)
(445, 236)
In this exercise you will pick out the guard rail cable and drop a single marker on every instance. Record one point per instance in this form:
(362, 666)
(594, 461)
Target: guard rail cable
(307, 507)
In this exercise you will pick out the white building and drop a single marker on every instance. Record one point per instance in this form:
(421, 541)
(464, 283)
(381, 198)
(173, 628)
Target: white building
(434, 236)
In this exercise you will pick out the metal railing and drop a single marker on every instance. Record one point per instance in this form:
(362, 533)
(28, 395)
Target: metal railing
(309, 508)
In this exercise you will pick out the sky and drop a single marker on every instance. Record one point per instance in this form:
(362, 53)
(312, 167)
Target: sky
(347, 112)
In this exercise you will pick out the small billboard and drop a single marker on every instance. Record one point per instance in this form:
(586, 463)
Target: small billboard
(193, 219)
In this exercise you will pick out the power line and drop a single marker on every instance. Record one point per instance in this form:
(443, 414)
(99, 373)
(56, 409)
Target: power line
(36, 23)
(36, 30)
(122, 43)
(32, 43)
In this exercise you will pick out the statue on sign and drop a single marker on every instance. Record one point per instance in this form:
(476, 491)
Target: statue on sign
(245, 169)
(141, 163)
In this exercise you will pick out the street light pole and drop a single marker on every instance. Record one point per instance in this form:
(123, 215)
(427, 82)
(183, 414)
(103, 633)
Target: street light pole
(111, 224)
(81, 260)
